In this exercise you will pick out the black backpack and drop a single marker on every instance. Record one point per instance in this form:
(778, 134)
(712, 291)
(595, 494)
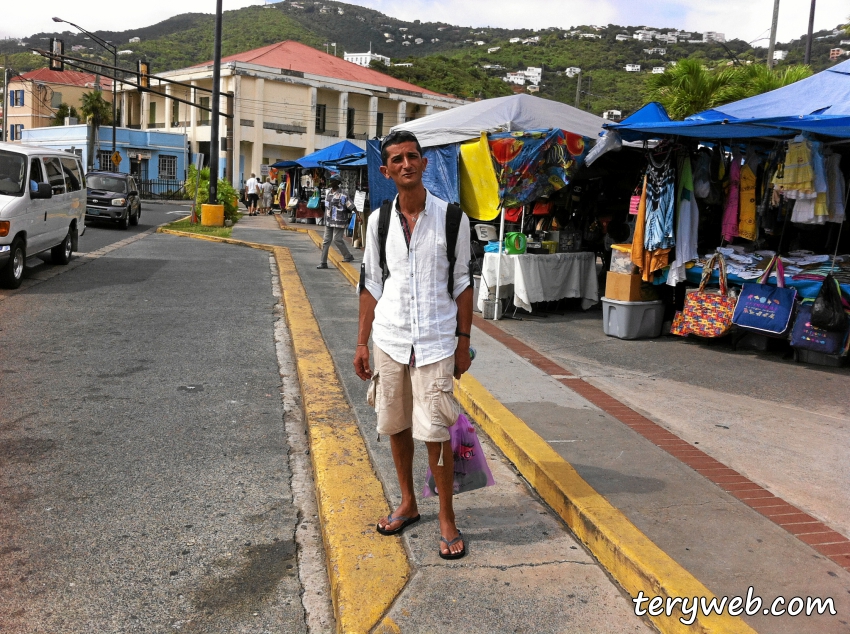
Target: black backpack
(454, 215)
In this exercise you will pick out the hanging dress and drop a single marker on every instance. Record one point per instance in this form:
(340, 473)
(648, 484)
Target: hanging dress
(729, 227)
(686, 225)
(660, 204)
(747, 204)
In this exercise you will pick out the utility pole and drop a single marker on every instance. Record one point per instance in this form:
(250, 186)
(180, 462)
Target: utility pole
(773, 33)
(809, 38)
(216, 96)
(229, 135)
(578, 91)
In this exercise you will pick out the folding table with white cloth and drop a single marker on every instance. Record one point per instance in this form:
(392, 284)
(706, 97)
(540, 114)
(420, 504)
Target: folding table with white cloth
(541, 278)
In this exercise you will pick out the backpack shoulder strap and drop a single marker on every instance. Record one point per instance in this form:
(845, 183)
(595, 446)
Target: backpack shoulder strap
(383, 231)
(454, 215)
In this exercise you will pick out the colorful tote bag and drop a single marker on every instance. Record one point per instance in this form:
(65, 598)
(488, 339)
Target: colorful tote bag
(765, 309)
(806, 336)
(706, 313)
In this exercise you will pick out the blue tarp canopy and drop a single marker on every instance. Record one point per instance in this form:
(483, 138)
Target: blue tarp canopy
(349, 162)
(331, 153)
(284, 165)
(819, 104)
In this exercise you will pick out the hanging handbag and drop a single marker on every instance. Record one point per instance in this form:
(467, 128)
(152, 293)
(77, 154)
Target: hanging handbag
(828, 311)
(314, 201)
(765, 309)
(513, 214)
(806, 336)
(706, 313)
(542, 208)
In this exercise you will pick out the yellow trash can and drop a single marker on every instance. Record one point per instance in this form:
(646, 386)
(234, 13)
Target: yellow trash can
(212, 215)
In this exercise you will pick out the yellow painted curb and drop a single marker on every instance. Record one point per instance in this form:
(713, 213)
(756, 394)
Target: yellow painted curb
(366, 570)
(630, 556)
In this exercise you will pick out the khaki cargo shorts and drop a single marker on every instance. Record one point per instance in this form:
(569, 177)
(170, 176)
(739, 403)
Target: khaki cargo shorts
(405, 397)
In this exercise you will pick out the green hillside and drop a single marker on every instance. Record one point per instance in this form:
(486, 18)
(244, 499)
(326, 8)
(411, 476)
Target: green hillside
(445, 58)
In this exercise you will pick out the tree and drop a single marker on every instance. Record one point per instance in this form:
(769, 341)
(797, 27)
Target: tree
(64, 110)
(96, 111)
(689, 87)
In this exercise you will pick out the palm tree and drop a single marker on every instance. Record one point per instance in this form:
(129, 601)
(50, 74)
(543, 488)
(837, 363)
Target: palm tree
(689, 87)
(96, 111)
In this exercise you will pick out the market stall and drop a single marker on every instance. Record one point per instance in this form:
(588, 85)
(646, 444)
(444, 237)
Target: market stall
(759, 188)
(510, 163)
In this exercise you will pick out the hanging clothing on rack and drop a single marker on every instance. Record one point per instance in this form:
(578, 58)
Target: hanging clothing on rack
(647, 261)
(747, 204)
(836, 186)
(729, 227)
(660, 203)
(687, 223)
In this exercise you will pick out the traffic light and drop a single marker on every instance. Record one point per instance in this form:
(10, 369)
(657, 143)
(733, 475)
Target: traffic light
(57, 50)
(143, 71)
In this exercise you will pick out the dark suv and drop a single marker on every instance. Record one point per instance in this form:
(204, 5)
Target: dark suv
(113, 197)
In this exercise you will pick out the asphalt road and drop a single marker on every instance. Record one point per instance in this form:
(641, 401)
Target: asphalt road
(99, 234)
(144, 480)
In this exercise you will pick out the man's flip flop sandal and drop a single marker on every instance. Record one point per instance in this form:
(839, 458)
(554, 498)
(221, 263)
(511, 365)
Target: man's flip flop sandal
(449, 544)
(405, 522)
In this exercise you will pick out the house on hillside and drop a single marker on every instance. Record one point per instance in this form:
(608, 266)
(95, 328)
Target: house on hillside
(835, 53)
(365, 59)
(534, 74)
(713, 36)
(572, 71)
(515, 40)
(531, 40)
(632, 68)
(493, 49)
(515, 78)
(35, 96)
(290, 100)
(657, 70)
(589, 36)
(655, 51)
(622, 37)
(533, 89)
(612, 115)
(778, 55)
(135, 40)
(418, 40)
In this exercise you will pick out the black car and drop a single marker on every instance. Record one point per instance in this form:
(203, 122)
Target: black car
(113, 197)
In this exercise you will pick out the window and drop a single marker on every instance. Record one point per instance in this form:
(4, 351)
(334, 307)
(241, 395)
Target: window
(152, 113)
(167, 166)
(72, 174)
(379, 125)
(36, 173)
(16, 98)
(175, 112)
(104, 160)
(349, 124)
(54, 175)
(16, 132)
(321, 117)
(205, 115)
(56, 100)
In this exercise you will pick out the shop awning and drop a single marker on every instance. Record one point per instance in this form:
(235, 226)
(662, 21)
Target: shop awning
(333, 152)
(502, 114)
(819, 104)
(284, 165)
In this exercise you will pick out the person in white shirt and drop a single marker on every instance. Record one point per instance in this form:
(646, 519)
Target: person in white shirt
(252, 191)
(268, 193)
(420, 334)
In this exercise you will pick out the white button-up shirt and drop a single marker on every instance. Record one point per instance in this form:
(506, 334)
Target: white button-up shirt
(414, 307)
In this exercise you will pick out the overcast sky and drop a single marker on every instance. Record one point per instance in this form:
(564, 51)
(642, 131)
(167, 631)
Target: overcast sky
(745, 19)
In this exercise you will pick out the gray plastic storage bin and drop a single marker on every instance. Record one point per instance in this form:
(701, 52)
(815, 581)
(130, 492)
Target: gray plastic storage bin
(632, 320)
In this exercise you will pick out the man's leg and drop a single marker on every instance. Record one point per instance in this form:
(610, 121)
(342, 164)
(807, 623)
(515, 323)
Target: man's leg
(401, 445)
(326, 243)
(444, 479)
(339, 241)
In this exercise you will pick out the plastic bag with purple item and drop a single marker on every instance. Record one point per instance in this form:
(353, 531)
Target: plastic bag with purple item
(470, 464)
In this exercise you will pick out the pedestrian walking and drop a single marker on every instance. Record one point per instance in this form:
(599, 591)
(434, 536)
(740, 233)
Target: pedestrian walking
(417, 306)
(338, 208)
(268, 194)
(252, 190)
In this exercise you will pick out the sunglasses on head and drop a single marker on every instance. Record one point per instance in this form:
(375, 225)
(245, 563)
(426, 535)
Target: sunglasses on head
(400, 136)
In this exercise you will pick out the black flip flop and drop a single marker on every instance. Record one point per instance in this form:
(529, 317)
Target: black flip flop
(449, 544)
(405, 522)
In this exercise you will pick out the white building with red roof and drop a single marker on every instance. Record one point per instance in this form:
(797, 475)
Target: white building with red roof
(288, 100)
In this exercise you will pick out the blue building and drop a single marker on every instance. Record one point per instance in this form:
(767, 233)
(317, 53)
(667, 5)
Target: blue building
(157, 159)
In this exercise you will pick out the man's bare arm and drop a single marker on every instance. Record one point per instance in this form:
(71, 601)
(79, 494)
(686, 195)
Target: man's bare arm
(364, 330)
(464, 323)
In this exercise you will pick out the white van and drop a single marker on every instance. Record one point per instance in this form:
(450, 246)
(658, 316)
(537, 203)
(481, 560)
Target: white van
(42, 207)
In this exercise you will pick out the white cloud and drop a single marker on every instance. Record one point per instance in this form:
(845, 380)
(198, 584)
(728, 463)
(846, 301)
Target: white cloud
(746, 20)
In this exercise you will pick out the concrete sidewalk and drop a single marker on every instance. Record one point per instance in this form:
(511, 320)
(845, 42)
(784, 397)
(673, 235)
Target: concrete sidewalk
(519, 550)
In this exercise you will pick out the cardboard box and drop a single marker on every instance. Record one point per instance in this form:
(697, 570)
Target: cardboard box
(628, 288)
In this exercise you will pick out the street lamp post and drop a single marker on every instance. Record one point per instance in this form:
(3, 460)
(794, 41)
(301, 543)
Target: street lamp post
(114, 49)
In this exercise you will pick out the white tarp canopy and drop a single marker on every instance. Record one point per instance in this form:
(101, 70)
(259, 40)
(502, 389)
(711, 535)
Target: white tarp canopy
(502, 114)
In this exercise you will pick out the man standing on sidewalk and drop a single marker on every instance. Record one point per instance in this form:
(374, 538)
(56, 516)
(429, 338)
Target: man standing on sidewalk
(252, 189)
(337, 215)
(420, 330)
